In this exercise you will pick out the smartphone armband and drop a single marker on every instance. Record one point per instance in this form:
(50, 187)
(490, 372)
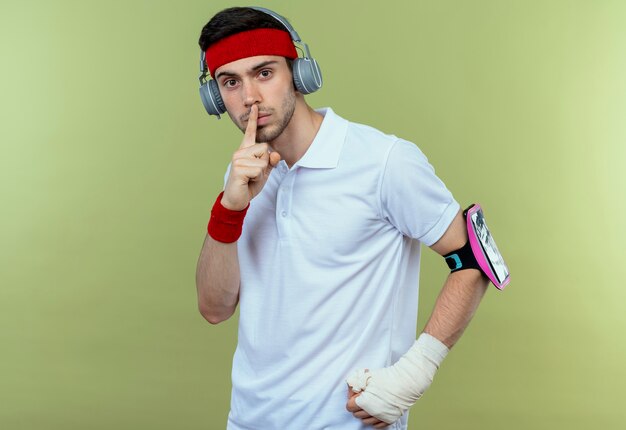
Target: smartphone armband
(480, 252)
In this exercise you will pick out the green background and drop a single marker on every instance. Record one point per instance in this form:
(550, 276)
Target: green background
(109, 167)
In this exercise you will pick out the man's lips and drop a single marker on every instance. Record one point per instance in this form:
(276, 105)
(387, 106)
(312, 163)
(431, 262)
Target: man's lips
(263, 118)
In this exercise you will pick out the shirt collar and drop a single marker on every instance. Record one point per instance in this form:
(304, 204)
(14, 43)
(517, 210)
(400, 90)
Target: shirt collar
(326, 147)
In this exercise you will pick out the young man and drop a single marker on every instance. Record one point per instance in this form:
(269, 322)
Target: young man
(325, 266)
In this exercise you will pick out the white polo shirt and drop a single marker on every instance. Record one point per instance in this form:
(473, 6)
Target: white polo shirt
(329, 260)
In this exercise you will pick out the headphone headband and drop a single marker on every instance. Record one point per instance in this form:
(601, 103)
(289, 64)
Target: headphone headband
(292, 31)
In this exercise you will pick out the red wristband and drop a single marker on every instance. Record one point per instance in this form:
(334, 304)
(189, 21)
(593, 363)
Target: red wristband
(225, 225)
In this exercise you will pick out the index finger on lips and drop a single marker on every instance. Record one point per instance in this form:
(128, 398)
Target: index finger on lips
(249, 138)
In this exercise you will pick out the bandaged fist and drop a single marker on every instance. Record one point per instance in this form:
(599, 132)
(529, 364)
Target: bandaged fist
(361, 414)
(388, 393)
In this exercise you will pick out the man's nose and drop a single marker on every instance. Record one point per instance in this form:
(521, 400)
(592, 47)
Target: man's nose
(251, 94)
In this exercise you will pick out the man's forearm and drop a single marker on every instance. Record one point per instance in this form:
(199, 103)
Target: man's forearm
(217, 280)
(458, 300)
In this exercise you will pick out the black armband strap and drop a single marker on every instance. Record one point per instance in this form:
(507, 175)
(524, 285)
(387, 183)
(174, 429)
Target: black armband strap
(462, 259)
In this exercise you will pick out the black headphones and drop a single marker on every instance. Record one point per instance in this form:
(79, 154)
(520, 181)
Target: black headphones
(307, 76)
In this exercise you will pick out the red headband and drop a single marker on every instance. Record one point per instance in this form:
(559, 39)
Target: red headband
(261, 41)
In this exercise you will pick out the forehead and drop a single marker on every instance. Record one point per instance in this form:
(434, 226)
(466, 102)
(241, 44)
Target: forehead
(247, 64)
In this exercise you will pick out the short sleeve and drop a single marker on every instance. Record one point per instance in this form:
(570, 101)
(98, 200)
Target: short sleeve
(413, 198)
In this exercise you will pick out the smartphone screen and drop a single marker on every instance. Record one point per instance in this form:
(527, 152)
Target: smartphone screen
(489, 247)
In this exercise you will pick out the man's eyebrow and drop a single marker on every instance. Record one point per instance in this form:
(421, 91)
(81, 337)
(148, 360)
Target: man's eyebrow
(252, 69)
(263, 64)
(225, 73)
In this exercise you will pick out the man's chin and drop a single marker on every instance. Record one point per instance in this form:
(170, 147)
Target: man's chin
(267, 134)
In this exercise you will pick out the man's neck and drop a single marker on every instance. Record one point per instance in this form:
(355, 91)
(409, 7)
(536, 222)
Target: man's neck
(295, 140)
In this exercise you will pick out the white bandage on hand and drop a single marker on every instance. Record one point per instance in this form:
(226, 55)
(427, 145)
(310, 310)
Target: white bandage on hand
(389, 392)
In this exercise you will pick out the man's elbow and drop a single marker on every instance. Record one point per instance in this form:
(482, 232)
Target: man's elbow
(211, 316)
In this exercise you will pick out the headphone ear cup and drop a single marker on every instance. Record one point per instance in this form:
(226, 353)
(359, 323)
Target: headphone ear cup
(215, 93)
(211, 98)
(307, 76)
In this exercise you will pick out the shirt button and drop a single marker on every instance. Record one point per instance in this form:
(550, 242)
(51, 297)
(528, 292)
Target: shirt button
(284, 214)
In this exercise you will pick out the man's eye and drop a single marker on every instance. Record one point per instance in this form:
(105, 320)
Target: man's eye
(265, 73)
(230, 83)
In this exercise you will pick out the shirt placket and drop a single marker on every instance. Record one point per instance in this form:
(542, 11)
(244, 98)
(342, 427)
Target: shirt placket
(284, 202)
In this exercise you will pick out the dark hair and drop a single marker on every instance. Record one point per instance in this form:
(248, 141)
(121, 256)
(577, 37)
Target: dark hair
(235, 20)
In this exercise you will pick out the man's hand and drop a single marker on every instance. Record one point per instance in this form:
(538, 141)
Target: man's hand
(359, 413)
(251, 165)
(387, 393)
